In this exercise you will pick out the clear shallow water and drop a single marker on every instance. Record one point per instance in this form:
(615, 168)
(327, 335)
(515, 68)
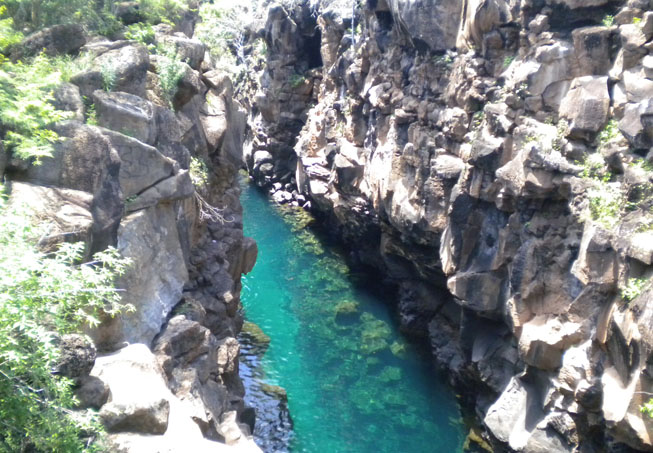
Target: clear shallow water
(353, 384)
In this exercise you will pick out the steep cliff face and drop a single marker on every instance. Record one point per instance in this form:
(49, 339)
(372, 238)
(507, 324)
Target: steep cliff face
(492, 158)
(166, 376)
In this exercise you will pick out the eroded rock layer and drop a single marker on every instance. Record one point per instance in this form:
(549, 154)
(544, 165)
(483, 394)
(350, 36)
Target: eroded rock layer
(492, 158)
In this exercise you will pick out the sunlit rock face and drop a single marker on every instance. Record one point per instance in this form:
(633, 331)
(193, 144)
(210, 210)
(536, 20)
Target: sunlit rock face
(482, 154)
(166, 374)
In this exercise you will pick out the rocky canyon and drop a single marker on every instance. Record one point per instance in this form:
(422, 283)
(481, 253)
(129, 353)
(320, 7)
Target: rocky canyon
(490, 161)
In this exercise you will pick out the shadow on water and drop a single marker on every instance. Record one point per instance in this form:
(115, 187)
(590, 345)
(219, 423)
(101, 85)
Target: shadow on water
(353, 383)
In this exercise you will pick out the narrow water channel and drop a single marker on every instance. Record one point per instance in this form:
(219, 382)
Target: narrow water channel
(354, 385)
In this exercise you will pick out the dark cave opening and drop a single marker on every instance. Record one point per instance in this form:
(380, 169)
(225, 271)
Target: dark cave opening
(312, 46)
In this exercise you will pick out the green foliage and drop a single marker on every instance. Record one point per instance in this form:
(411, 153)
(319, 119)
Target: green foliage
(143, 33)
(443, 60)
(109, 76)
(608, 20)
(594, 167)
(296, 80)
(605, 204)
(508, 61)
(42, 296)
(163, 11)
(35, 14)
(637, 20)
(199, 173)
(642, 164)
(647, 408)
(91, 115)
(68, 66)
(633, 289)
(477, 119)
(221, 27)
(9, 36)
(25, 108)
(170, 70)
(609, 132)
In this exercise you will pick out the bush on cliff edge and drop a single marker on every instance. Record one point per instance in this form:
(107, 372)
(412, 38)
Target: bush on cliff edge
(42, 296)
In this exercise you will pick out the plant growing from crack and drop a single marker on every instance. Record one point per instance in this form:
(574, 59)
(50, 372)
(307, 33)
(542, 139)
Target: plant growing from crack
(634, 287)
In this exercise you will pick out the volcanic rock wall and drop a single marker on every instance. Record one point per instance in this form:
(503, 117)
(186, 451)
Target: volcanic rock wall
(166, 376)
(491, 157)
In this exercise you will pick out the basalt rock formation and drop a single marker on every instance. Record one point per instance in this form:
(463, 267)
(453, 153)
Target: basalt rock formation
(166, 374)
(492, 158)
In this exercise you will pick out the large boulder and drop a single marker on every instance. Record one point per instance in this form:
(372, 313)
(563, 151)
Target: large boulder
(592, 45)
(586, 106)
(84, 160)
(67, 211)
(127, 114)
(190, 51)
(438, 30)
(125, 68)
(637, 124)
(154, 282)
(55, 40)
(143, 415)
(142, 166)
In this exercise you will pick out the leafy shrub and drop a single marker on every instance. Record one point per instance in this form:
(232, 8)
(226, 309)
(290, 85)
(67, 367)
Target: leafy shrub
(42, 296)
(221, 29)
(109, 76)
(296, 80)
(143, 33)
(8, 35)
(199, 173)
(633, 289)
(605, 204)
(594, 167)
(170, 70)
(608, 20)
(609, 132)
(25, 108)
(163, 11)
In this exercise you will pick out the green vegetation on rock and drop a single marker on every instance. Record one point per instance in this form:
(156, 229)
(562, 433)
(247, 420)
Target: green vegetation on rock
(42, 296)
(26, 110)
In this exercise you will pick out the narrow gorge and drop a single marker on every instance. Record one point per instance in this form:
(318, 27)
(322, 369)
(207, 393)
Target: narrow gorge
(452, 199)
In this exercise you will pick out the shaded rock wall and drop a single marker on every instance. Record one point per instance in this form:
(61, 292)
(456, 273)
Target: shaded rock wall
(452, 144)
(166, 378)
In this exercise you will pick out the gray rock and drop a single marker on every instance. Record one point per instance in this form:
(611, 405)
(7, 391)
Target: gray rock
(68, 212)
(177, 187)
(92, 392)
(637, 124)
(586, 106)
(127, 64)
(154, 282)
(127, 114)
(438, 30)
(56, 40)
(142, 166)
(68, 98)
(592, 45)
(128, 12)
(190, 51)
(150, 418)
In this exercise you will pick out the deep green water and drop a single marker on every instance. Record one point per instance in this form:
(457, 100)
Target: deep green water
(353, 383)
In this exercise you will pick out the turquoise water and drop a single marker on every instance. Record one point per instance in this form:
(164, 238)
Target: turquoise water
(353, 383)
